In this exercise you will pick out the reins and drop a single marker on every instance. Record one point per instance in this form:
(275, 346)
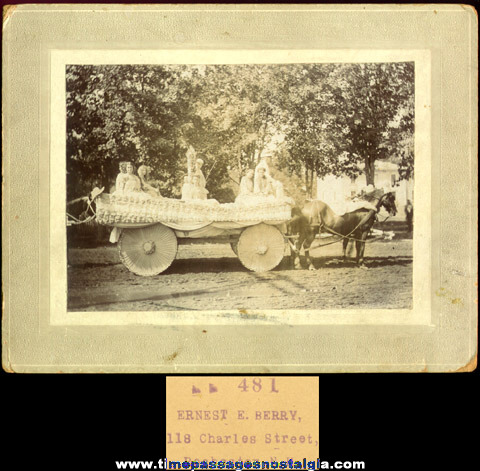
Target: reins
(351, 232)
(77, 221)
(342, 236)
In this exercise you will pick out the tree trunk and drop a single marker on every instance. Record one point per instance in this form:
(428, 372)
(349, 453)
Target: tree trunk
(314, 186)
(370, 171)
(308, 183)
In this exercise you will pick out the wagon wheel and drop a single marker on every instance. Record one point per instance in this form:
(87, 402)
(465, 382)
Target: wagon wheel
(261, 247)
(148, 251)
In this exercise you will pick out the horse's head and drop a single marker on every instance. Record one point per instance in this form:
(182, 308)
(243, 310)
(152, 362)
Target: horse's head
(388, 202)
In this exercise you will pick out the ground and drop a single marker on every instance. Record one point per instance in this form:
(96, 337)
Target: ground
(211, 277)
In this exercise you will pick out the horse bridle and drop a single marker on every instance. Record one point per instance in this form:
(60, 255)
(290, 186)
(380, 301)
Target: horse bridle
(380, 202)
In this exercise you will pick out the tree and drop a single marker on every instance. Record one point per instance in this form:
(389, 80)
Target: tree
(331, 117)
(376, 112)
(232, 119)
(311, 128)
(337, 116)
(117, 113)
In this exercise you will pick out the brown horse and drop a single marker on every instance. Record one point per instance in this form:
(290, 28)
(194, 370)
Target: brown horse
(316, 217)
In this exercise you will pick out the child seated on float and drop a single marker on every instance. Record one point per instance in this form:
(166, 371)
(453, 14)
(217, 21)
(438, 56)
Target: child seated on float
(198, 192)
(146, 184)
(130, 184)
(246, 193)
(186, 189)
(121, 177)
(365, 199)
(263, 187)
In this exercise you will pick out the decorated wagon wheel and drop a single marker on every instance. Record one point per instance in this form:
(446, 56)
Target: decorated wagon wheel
(148, 251)
(261, 247)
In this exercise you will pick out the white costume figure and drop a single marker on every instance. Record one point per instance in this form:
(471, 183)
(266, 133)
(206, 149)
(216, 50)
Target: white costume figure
(122, 177)
(132, 185)
(278, 188)
(366, 198)
(280, 193)
(187, 188)
(191, 155)
(128, 182)
(132, 182)
(246, 193)
(263, 184)
(264, 163)
(194, 183)
(198, 192)
(247, 185)
(198, 172)
(143, 174)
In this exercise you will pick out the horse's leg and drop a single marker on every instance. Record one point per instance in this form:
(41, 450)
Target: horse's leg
(345, 245)
(350, 248)
(308, 242)
(360, 246)
(298, 247)
(293, 253)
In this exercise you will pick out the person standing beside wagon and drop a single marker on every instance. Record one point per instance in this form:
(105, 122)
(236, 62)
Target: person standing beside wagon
(409, 215)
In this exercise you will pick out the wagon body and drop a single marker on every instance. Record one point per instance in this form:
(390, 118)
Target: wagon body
(149, 230)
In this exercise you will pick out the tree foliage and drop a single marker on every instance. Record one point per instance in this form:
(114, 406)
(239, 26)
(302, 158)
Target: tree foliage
(324, 118)
(338, 116)
(377, 102)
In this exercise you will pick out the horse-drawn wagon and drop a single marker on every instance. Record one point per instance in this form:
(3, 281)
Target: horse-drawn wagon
(149, 230)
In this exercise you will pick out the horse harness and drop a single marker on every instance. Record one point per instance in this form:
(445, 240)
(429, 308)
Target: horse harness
(370, 213)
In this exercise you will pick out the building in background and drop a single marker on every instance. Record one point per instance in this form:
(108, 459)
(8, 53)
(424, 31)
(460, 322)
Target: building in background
(335, 191)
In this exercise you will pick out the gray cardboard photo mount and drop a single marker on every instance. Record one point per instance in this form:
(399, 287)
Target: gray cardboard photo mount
(58, 56)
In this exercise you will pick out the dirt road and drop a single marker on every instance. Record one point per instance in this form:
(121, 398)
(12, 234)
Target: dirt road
(210, 277)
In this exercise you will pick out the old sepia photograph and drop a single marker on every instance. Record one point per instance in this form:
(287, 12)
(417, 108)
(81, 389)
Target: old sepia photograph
(196, 187)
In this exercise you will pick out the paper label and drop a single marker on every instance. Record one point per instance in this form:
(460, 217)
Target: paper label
(242, 418)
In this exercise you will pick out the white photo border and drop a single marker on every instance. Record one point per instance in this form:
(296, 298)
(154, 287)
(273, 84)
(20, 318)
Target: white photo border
(421, 312)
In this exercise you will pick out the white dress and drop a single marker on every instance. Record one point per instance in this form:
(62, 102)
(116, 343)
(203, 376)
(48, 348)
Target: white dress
(246, 194)
(263, 186)
(121, 180)
(262, 164)
(201, 177)
(246, 186)
(198, 193)
(187, 191)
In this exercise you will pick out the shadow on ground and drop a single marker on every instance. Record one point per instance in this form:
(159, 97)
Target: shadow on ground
(230, 265)
(370, 262)
(222, 265)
